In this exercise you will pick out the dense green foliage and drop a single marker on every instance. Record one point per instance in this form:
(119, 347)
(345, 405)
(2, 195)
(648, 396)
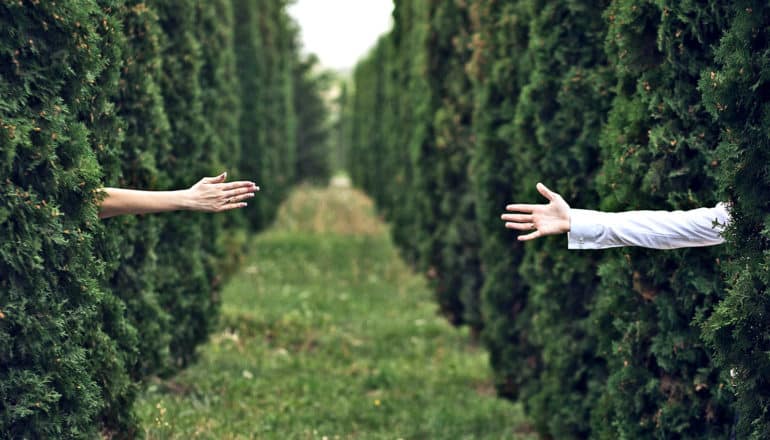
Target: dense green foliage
(53, 372)
(313, 129)
(618, 105)
(657, 151)
(559, 114)
(135, 94)
(736, 94)
(501, 30)
(453, 263)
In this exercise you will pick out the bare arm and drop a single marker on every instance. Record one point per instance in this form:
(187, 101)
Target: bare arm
(210, 194)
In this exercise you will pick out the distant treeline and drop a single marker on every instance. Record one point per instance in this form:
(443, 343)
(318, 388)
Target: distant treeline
(617, 105)
(146, 95)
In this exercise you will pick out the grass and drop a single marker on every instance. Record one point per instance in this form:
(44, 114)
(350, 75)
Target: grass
(325, 334)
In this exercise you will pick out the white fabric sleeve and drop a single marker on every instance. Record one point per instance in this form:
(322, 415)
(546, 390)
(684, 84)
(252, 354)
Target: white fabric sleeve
(650, 229)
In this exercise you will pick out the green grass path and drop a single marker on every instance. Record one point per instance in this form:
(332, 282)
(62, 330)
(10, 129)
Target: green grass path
(329, 336)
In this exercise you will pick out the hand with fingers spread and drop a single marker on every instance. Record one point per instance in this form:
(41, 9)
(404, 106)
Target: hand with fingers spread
(210, 194)
(550, 219)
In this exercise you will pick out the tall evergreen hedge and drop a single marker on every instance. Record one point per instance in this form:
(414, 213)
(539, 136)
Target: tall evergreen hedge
(55, 368)
(313, 130)
(736, 94)
(264, 40)
(453, 261)
(146, 142)
(185, 294)
(560, 113)
(134, 94)
(500, 66)
(658, 150)
(617, 105)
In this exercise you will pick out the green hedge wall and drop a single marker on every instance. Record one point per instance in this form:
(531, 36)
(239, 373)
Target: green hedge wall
(134, 94)
(559, 115)
(61, 364)
(618, 105)
(658, 148)
(736, 94)
(501, 30)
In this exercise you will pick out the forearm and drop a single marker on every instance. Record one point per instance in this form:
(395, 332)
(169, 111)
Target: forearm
(650, 229)
(128, 201)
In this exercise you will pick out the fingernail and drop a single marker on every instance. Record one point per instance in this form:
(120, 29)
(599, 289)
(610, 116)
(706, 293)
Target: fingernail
(257, 188)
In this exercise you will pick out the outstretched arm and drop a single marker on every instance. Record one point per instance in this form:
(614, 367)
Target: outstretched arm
(210, 194)
(599, 230)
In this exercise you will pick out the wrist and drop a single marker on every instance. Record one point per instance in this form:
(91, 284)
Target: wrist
(184, 200)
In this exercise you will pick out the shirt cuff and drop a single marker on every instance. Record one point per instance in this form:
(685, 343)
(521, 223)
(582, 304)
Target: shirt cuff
(584, 230)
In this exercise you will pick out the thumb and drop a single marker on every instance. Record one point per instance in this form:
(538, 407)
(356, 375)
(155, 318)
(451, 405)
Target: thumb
(218, 179)
(545, 192)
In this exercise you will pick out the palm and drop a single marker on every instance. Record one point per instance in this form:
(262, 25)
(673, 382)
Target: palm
(548, 219)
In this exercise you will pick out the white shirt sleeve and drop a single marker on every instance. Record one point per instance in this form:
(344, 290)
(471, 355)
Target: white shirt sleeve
(650, 229)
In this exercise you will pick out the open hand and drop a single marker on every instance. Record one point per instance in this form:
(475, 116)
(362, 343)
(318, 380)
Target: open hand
(550, 219)
(212, 194)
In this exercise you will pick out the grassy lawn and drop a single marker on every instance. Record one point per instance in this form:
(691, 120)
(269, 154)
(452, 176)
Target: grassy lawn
(326, 334)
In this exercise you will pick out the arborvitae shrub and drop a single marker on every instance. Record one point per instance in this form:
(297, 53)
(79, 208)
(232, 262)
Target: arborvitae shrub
(367, 139)
(736, 94)
(405, 115)
(453, 261)
(51, 331)
(110, 360)
(221, 147)
(250, 77)
(112, 93)
(500, 66)
(560, 113)
(264, 50)
(313, 130)
(276, 111)
(146, 142)
(658, 148)
(184, 287)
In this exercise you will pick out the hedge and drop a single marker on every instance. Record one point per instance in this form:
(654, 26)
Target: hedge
(139, 95)
(735, 93)
(617, 105)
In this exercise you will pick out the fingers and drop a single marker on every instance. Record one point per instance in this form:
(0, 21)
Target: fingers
(545, 192)
(239, 184)
(521, 208)
(218, 179)
(239, 191)
(239, 198)
(232, 206)
(530, 236)
(521, 218)
(520, 226)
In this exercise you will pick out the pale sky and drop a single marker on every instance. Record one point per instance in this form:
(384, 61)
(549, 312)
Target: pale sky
(340, 32)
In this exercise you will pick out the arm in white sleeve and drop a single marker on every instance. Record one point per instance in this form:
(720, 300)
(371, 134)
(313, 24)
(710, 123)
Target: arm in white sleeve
(650, 229)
